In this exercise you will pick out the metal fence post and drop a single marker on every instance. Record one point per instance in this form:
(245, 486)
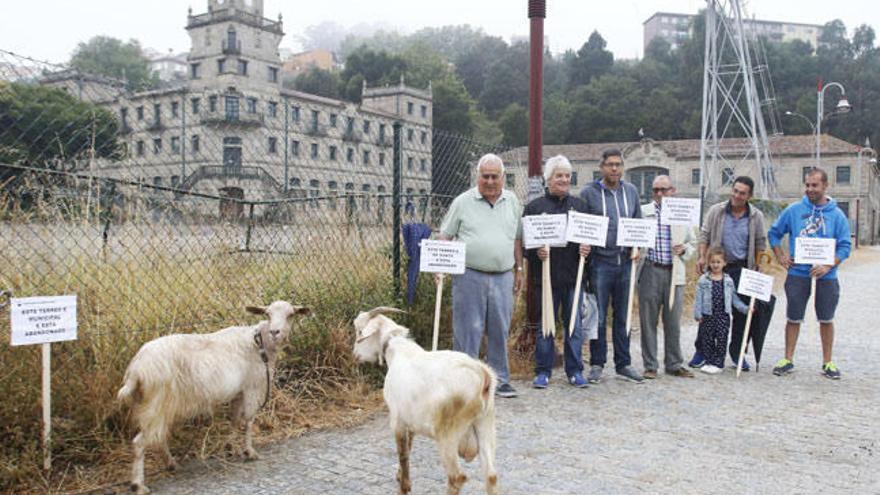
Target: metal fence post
(250, 228)
(395, 205)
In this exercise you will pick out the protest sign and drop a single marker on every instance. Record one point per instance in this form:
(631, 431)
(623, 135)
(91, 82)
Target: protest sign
(540, 230)
(814, 251)
(755, 284)
(636, 232)
(589, 229)
(442, 257)
(680, 211)
(39, 320)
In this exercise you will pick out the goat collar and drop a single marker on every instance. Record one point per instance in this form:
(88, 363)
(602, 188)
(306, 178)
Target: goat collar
(264, 355)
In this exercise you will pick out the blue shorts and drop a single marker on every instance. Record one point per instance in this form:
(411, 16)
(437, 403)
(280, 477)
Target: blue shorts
(797, 291)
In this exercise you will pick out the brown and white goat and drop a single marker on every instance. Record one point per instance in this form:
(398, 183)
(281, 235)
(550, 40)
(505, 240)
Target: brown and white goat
(179, 376)
(444, 395)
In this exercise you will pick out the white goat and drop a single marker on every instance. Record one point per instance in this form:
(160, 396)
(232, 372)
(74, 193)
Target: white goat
(444, 395)
(176, 377)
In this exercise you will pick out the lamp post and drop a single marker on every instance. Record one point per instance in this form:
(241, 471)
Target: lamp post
(843, 106)
(873, 161)
(805, 119)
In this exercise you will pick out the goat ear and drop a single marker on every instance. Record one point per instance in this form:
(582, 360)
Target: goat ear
(257, 310)
(302, 310)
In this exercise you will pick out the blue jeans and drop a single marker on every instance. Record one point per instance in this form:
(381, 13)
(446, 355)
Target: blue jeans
(611, 281)
(545, 347)
(483, 302)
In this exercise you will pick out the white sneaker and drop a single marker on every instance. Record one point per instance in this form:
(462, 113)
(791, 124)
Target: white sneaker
(710, 369)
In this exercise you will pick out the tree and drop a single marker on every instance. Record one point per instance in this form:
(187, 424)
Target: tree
(327, 35)
(318, 81)
(514, 124)
(507, 80)
(592, 60)
(110, 57)
(42, 126)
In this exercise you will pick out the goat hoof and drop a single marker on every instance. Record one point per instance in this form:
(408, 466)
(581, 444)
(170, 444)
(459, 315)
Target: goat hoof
(139, 489)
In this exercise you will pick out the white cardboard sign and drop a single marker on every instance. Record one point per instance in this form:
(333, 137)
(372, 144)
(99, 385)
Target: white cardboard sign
(680, 211)
(814, 251)
(755, 284)
(442, 257)
(636, 232)
(40, 320)
(589, 229)
(539, 230)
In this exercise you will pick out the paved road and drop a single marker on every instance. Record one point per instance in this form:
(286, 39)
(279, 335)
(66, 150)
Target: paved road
(760, 434)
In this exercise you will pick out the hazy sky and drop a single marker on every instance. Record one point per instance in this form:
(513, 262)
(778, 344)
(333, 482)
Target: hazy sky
(50, 29)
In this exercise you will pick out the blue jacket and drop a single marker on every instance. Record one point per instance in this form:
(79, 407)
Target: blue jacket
(804, 219)
(622, 202)
(703, 297)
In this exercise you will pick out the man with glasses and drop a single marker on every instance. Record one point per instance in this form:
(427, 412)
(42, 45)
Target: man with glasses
(738, 227)
(656, 279)
(487, 219)
(610, 265)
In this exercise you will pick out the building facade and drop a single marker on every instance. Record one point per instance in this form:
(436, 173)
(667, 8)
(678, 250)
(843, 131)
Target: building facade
(231, 129)
(853, 177)
(676, 28)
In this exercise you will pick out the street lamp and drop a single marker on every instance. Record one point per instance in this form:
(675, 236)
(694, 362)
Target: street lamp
(805, 118)
(843, 106)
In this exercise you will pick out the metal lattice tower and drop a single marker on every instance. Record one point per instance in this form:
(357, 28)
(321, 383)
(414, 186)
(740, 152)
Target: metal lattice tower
(734, 135)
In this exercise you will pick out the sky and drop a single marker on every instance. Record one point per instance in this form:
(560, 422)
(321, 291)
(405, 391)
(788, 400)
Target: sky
(50, 29)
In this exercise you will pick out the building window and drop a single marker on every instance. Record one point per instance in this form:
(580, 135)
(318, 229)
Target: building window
(423, 138)
(294, 148)
(221, 66)
(175, 144)
(367, 157)
(194, 103)
(695, 176)
(315, 119)
(231, 108)
(139, 148)
(314, 191)
(381, 133)
(212, 103)
(574, 178)
(314, 150)
(242, 67)
(842, 175)
(273, 109)
(231, 42)
(194, 71)
(409, 107)
(123, 116)
(409, 163)
(273, 145)
(349, 155)
(157, 146)
(157, 181)
(333, 153)
(252, 105)
(350, 125)
(844, 207)
(365, 200)
(175, 180)
(366, 127)
(381, 159)
(232, 152)
(273, 74)
(333, 188)
(140, 112)
(409, 135)
(294, 114)
(727, 176)
(333, 120)
(423, 165)
(157, 112)
(175, 109)
(194, 144)
(424, 111)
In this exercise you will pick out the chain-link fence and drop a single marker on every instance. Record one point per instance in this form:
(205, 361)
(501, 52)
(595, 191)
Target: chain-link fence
(169, 210)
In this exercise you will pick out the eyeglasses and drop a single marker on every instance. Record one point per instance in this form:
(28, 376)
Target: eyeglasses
(661, 189)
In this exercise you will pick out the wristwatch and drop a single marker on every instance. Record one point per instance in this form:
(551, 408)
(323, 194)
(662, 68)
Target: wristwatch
(519, 268)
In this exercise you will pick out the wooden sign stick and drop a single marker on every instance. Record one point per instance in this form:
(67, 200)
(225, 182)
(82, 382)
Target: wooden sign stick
(576, 298)
(437, 312)
(742, 348)
(632, 287)
(548, 327)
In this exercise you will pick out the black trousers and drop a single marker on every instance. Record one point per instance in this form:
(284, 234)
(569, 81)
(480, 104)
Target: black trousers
(737, 329)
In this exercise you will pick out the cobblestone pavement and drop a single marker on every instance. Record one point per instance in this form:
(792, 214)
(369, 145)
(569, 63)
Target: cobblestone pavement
(759, 434)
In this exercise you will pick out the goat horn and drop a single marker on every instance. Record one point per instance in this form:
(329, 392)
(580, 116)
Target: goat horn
(384, 309)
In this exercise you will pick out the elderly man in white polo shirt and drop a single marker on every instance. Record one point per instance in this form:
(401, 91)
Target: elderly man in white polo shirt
(487, 219)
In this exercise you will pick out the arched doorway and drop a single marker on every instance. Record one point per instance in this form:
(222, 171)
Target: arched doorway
(643, 178)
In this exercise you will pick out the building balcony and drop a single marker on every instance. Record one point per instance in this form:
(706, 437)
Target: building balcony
(314, 130)
(241, 119)
(226, 15)
(351, 135)
(233, 48)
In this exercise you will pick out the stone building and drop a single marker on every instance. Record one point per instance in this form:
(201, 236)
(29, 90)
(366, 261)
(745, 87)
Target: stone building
(231, 129)
(852, 171)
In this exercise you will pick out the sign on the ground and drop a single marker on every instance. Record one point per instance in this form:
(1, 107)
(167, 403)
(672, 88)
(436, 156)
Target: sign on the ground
(814, 251)
(755, 284)
(680, 211)
(539, 230)
(636, 232)
(442, 257)
(44, 319)
(584, 228)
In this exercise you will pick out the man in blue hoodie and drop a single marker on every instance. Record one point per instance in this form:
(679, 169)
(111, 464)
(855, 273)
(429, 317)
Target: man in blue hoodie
(816, 215)
(610, 265)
